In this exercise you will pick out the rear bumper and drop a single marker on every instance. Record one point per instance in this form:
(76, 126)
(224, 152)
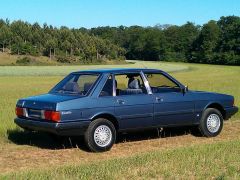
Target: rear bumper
(230, 112)
(75, 128)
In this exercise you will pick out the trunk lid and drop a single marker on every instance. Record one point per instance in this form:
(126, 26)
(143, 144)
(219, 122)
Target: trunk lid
(44, 101)
(34, 107)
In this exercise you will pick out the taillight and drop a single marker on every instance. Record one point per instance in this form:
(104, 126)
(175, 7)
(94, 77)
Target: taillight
(19, 111)
(52, 116)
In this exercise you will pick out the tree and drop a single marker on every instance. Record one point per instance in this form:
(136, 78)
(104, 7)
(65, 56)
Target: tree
(17, 45)
(5, 36)
(51, 45)
(214, 42)
(229, 46)
(204, 46)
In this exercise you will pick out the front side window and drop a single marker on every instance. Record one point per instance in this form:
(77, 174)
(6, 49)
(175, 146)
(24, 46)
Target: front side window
(129, 84)
(160, 83)
(76, 84)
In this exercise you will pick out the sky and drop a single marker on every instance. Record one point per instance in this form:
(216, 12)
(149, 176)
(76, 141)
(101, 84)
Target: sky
(94, 13)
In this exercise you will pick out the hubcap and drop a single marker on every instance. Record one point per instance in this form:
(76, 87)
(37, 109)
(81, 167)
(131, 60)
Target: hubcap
(103, 136)
(213, 123)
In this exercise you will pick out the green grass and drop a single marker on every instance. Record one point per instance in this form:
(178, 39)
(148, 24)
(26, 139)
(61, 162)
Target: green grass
(13, 88)
(215, 161)
(63, 70)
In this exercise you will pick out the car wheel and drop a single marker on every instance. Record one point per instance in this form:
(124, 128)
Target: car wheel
(211, 123)
(100, 135)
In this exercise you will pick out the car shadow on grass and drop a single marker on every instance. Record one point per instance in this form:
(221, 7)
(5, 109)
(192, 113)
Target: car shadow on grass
(49, 141)
(158, 133)
(45, 140)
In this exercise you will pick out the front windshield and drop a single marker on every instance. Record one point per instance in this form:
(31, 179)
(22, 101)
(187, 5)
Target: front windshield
(78, 84)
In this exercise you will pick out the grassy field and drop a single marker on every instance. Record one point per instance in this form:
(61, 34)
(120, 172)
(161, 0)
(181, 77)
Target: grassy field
(198, 161)
(63, 70)
(180, 156)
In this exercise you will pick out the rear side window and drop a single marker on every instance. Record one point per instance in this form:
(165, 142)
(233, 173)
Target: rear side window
(107, 88)
(86, 81)
(160, 83)
(76, 84)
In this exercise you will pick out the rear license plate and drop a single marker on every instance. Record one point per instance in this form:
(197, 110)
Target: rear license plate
(35, 113)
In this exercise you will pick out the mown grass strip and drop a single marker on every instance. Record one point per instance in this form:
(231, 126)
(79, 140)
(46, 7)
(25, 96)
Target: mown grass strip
(64, 70)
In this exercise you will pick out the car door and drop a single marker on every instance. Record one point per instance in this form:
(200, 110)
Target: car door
(133, 103)
(171, 105)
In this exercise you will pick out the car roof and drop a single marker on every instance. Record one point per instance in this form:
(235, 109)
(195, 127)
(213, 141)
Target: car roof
(119, 70)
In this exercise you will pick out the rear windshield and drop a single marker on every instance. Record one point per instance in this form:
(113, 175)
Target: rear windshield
(76, 84)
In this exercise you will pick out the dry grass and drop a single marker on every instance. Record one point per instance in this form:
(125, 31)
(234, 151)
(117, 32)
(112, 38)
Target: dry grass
(9, 59)
(17, 158)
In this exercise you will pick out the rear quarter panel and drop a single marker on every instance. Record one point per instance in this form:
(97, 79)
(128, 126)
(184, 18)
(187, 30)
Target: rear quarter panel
(86, 108)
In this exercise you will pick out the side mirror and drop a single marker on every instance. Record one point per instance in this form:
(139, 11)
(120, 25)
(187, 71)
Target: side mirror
(185, 89)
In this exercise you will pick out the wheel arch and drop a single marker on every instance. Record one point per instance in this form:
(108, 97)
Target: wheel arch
(217, 106)
(109, 117)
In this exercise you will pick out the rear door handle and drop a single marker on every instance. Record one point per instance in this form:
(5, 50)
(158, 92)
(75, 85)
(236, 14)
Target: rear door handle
(159, 99)
(120, 101)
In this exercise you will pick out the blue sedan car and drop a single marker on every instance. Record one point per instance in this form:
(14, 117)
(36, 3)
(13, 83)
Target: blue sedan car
(100, 103)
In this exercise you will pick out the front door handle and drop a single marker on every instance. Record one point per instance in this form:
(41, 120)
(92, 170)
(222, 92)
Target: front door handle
(159, 99)
(120, 101)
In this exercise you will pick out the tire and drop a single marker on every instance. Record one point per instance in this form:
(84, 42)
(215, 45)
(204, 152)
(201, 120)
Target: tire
(211, 123)
(96, 141)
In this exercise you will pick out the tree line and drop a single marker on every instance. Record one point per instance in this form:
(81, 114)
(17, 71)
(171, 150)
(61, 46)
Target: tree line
(64, 44)
(216, 42)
